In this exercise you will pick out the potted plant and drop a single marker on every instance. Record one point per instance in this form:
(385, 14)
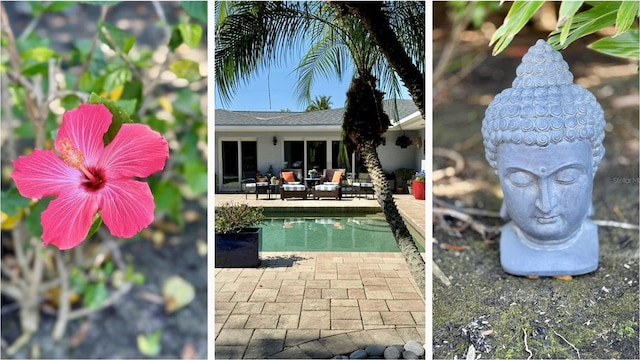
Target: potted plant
(418, 186)
(237, 237)
(313, 173)
(402, 176)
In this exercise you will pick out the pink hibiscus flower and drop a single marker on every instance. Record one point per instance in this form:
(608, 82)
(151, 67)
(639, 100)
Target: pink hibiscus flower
(87, 177)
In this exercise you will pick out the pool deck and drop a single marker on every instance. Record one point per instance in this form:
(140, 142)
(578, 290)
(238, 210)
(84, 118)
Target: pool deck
(303, 305)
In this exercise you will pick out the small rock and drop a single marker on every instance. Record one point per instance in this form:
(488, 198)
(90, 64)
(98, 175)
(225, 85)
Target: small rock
(414, 347)
(358, 354)
(409, 355)
(340, 357)
(392, 352)
(375, 350)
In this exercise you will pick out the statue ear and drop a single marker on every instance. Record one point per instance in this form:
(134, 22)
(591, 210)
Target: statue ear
(503, 212)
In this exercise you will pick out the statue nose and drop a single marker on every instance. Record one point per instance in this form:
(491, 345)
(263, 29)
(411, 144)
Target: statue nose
(546, 200)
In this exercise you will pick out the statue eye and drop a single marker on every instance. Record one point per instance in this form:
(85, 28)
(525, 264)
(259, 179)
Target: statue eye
(521, 178)
(568, 176)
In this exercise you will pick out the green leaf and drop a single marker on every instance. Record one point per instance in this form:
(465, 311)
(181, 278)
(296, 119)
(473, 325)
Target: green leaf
(39, 54)
(195, 172)
(12, 201)
(133, 91)
(95, 294)
(168, 199)
(191, 34)
(186, 69)
(565, 17)
(95, 226)
(70, 102)
(195, 9)
(119, 116)
(626, 16)
(624, 45)
(32, 220)
(129, 106)
(115, 38)
(518, 16)
(602, 15)
(150, 345)
(115, 78)
(176, 39)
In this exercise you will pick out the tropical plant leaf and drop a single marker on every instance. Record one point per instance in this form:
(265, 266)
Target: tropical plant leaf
(186, 69)
(602, 15)
(95, 294)
(624, 45)
(119, 116)
(32, 220)
(12, 201)
(115, 38)
(150, 345)
(565, 18)
(195, 9)
(191, 34)
(519, 14)
(626, 16)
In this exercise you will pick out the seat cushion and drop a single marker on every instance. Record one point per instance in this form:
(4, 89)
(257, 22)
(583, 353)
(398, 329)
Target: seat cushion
(290, 187)
(326, 187)
(258, 184)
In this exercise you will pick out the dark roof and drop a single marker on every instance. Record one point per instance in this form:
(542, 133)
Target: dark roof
(313, 118)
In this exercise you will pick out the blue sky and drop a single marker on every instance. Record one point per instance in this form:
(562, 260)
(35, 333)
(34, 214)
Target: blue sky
(280, 85)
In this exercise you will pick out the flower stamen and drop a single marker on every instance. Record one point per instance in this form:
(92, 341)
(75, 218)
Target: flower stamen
(73, 157)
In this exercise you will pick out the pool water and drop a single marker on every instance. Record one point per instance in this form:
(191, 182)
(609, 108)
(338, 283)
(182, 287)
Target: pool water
(361, 233)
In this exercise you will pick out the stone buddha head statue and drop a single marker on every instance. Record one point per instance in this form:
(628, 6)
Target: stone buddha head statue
(543, 137)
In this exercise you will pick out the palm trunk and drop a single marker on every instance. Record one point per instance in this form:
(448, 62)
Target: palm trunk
(401, 234)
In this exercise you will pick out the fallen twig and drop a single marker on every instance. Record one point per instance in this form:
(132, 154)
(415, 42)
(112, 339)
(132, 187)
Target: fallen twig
(437, 272)
(479, 227)
(448, 171)
(574, 348)
(526, 347)
(616, 224)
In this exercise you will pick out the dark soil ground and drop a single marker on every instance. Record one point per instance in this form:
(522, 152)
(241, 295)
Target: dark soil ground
(503, 316)
(112, 332)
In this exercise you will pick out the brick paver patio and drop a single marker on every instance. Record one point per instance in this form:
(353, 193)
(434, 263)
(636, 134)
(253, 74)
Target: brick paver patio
(317, 304)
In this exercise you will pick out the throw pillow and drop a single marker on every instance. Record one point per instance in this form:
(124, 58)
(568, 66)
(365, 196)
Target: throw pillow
(287, 176)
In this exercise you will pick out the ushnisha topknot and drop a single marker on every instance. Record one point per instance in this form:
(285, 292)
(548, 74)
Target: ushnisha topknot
(543, 107)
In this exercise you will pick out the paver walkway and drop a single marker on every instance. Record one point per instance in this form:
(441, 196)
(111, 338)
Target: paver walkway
(317, 304)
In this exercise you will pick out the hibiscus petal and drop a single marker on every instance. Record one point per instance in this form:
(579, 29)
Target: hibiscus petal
(67, 220)
(127, 206)
(135, 151)
(86, 125)
(42, 173)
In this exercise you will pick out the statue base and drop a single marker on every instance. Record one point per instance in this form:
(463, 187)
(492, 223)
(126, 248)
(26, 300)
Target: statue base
(576, 256)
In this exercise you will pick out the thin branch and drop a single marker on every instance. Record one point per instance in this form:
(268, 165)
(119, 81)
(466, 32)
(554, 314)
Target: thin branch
(63, 310)
(616, 224)
(526, 347)
(112, 299)
(574, 348)
(85, 65)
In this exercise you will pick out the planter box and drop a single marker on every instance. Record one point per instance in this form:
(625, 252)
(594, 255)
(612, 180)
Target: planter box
(238, 250)
(418, 190)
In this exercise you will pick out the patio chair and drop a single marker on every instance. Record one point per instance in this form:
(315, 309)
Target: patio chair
(333, 175)
(364, 186)
(291, 186)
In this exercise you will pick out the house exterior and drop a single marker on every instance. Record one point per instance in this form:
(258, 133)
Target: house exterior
(250, 141)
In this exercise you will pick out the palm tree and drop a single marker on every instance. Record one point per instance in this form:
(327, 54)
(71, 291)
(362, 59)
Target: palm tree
(254, 35)
(320, 103)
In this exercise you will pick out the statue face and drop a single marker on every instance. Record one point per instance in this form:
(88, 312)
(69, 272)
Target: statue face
(547, 190)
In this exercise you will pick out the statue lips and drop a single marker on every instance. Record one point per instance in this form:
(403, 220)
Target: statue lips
(547, 219)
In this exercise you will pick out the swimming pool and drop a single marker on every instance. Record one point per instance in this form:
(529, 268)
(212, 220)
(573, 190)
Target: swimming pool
(360, 233)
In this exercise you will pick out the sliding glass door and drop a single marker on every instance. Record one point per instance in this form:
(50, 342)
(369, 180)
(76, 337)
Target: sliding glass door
(239, 161)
